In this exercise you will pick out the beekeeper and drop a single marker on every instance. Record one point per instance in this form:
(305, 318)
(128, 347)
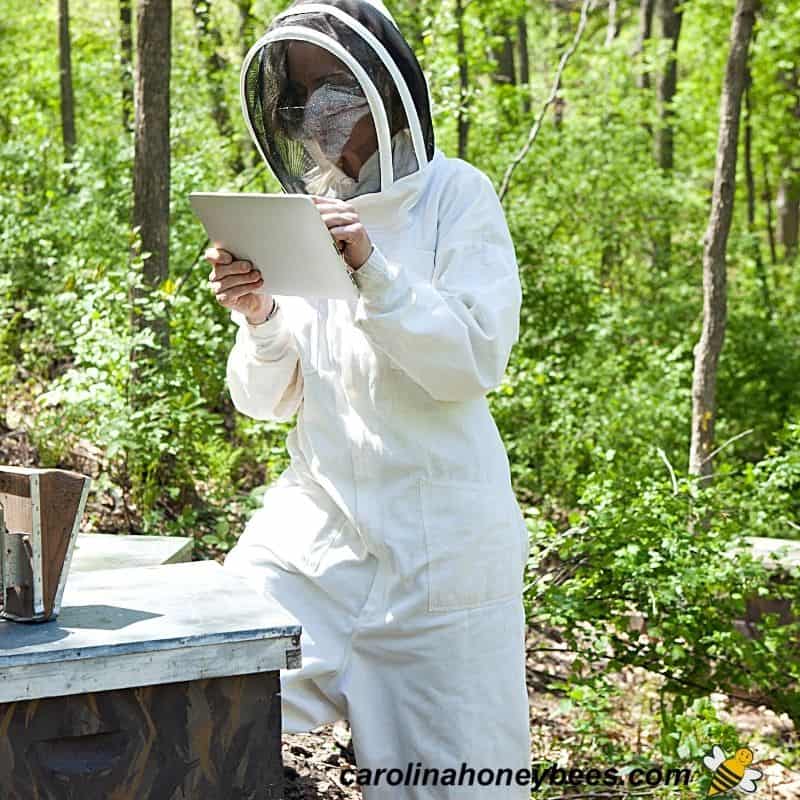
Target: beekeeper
(393, 536)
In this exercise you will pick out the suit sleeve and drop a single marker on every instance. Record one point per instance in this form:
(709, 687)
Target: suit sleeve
(453, 334)
(263, 370)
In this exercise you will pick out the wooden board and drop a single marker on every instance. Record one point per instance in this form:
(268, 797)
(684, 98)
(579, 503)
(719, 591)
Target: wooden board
(214, 738)
(94, 551)
(60, 508)
(122, 628)
(767, 549)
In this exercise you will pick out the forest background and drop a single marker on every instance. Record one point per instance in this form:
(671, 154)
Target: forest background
(112, 351)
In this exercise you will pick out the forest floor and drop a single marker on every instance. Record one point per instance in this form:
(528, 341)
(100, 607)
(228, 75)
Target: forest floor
(561, 734)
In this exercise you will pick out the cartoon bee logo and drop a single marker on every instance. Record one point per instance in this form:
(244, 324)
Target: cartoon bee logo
(731, 773)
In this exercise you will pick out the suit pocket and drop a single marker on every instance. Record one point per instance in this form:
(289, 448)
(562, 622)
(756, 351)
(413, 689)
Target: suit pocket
(472, 538)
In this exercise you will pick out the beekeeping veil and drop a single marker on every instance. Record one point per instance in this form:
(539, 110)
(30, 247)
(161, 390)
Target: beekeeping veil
(336, 101)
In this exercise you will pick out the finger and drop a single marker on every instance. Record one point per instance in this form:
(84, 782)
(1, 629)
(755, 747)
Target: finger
(240, 280)
(222, 284)
(323, 203)
(338, 209)
(218, 256)
(336, 218)
(234, 268)
(235, 292)
(348, 233)
(326, 208)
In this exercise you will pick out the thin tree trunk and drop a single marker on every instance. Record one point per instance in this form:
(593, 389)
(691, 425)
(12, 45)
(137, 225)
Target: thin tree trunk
(503, 56)
(245, 23)
(789, 214)
(65, 70)
(209, 41)
(126, 63)
(668, 82)
(246, 41)
(748, 153)
(670, 20)
(524, 62)
(151, 166)
(412, 25)
(463, 82)
(552, 99)
(612, 29)
(767, 198)
(788, 201)
(645, 31)
(751, 196)
(708, 349)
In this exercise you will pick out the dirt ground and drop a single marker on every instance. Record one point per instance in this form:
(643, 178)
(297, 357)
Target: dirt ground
(313, 762)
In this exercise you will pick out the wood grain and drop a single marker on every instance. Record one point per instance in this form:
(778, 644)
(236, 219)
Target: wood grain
(213, 738)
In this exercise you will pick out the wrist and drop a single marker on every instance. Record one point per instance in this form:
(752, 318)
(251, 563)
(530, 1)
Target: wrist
(369, 255)
(260, 320)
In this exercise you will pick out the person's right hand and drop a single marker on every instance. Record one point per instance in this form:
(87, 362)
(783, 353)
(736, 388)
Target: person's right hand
(235, 284)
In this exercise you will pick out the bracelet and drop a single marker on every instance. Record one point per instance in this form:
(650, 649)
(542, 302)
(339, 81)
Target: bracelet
(272, 312)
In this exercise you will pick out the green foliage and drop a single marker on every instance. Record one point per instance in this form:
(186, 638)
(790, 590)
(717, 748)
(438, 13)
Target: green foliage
(769, 500)
(637, 547)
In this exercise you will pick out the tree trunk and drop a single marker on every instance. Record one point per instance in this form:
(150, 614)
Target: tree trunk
(708, 349)
(645, 31)
(245, 25)
(151, 166)
(246, 40)
(524, 62)
(788, 200)
(126, 63)
(767, 198)
(748, 152)
(751, 195)
(612, 29)
(667, 83)
(670, 20)
(65, 70)
(209, 41)
(463, 82)
(412, 24)
(788, 204)
(503, 56)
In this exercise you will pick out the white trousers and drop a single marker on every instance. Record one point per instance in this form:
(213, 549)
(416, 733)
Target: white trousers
(421, 689)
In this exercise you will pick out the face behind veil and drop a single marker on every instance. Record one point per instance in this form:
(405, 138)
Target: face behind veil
(336, 101)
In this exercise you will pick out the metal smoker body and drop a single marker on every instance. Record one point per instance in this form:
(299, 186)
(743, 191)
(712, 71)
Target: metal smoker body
(40, 511)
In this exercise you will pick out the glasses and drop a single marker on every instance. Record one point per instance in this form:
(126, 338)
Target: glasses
(292, 115)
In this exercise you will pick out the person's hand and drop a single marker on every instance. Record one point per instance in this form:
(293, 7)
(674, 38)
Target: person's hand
(346, 228)
(235, 284)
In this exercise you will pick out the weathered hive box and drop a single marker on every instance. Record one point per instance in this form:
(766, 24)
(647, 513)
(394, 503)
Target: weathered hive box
(40, 510)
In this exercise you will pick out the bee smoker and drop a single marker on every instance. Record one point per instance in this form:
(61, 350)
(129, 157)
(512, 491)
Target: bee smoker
(40, 511)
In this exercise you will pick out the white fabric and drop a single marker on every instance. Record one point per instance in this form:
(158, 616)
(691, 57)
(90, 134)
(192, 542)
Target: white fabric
(394, 536)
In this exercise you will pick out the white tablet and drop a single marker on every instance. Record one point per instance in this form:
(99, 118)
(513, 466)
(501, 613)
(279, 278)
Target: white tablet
(283, 236)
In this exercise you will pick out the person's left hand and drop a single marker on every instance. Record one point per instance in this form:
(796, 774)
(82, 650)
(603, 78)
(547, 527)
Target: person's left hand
(346, 228)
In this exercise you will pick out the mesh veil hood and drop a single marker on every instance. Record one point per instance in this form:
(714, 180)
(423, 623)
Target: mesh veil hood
(354, 116)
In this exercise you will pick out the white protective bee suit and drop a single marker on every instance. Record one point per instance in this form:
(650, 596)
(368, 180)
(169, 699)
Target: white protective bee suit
(394, 536)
